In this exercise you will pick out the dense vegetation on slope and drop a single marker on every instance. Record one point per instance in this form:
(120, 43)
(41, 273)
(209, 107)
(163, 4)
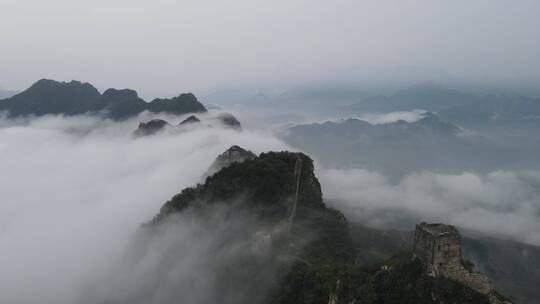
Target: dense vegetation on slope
(266, 186)
(73, 98)
(315, 250)
(511, 266)
(402, 279)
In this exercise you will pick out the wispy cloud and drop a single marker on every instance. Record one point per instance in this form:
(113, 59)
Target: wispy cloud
(500, 203)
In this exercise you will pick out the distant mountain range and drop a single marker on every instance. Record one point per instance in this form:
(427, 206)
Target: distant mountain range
(426, 96)
(464, 108)
(75, 97)
(497, 110)
(456, 106)
(430, 143)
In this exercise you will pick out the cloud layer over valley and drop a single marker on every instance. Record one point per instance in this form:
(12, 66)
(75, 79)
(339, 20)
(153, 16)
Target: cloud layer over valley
(76, 190)
(501, 203)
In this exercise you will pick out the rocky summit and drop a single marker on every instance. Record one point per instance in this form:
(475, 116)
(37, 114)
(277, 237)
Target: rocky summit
(234, 154)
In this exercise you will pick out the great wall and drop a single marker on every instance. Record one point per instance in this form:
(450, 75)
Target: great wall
(439, 248)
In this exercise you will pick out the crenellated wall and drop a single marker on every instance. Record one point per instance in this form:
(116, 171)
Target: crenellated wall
(476, 281)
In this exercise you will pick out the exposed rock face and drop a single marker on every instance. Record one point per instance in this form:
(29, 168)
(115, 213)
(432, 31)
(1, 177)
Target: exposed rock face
(234, 154)
(439, 247)
(151, 127)
(74, 98)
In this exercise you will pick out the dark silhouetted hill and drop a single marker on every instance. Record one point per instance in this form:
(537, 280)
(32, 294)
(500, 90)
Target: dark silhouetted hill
(75, 98)
(223, 120)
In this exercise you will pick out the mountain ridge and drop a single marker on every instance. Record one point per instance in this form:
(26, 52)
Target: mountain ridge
(48, 96)
(311, 243)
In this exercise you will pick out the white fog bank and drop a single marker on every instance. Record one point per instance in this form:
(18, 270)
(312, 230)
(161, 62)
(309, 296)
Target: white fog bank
(75, 190)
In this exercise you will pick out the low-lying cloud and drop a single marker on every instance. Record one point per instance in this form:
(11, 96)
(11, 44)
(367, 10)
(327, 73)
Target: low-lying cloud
(219, 255)
(75, 190)
(500, 203)
(383, 118)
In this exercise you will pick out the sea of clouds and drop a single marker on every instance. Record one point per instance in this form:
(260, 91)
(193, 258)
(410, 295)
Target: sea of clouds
(75, 191)
(500, 203)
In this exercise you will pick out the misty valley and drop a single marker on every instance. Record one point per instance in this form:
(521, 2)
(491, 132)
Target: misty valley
(426, 195)
(269, 152)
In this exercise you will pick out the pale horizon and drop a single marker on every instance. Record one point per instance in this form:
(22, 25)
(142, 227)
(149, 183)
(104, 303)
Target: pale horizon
(166, 47)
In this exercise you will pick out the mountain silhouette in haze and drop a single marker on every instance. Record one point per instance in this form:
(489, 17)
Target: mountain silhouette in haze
(427, 96)
(74, 98)
(222, 120)
(428, 143)
(460, 107)
(496, 110)
(396, 148)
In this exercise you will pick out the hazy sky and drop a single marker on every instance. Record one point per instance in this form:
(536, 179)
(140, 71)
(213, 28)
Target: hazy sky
(163, 47)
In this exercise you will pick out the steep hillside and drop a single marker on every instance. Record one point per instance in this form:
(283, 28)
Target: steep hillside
(291, 234)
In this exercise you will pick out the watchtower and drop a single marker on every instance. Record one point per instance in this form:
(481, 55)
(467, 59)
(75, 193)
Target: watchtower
(438, 246)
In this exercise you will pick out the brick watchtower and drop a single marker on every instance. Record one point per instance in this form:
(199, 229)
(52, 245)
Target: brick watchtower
(439, 247)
